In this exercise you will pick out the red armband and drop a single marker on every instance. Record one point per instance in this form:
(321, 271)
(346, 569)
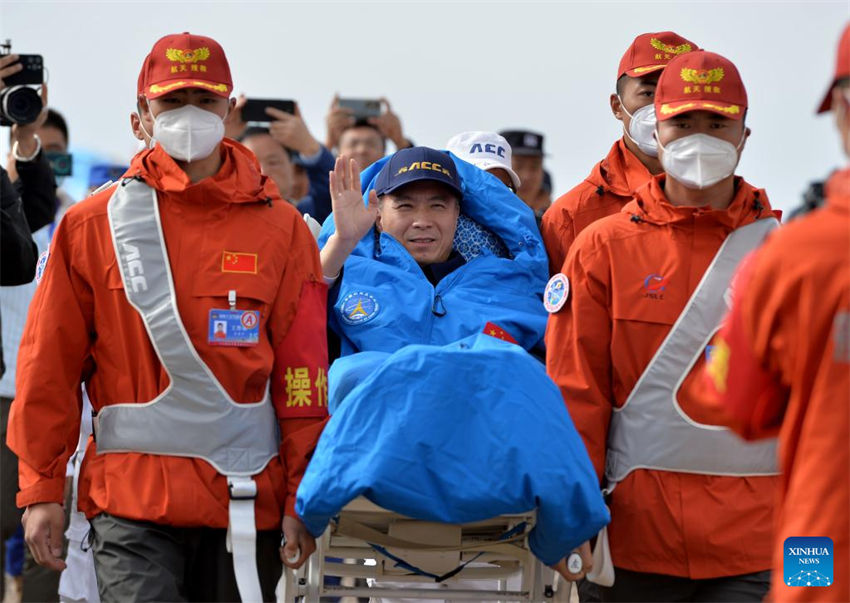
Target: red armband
(299, 383)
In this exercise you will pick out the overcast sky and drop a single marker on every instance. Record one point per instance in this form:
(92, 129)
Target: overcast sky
(447, 67)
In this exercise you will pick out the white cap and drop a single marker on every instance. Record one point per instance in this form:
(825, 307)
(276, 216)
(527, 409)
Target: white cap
(486, 150)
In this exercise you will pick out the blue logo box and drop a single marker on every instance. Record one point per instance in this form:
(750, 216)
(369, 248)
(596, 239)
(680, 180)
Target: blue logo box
(808, 561)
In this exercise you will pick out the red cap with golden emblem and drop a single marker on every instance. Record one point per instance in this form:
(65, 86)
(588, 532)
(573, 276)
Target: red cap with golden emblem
(842, 69)
(185, 61)
(700, 81)
(652, 51)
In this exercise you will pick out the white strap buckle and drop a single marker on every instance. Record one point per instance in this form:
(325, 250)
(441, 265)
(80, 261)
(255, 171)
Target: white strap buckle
(242, 488)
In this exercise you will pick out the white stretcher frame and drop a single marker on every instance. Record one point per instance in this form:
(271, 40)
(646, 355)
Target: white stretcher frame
(479, 539)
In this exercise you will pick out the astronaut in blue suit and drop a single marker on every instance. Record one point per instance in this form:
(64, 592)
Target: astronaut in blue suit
(440, 249)
(437, 253)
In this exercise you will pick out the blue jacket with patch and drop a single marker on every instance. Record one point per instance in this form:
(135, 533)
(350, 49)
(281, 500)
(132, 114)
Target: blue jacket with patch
(385, 301)
(455, 434)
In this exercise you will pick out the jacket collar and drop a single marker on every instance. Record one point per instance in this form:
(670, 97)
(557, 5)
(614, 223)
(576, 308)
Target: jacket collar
(650, 204)
(238, 179)
(621, 172)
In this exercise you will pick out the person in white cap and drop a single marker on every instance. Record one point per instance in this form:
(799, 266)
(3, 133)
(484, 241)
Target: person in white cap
(488, 151)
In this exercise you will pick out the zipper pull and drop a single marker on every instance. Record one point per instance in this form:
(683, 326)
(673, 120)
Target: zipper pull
(439, 308)
(231, 298)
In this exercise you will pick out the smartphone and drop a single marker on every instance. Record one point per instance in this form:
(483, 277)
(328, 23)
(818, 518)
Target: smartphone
(31, 74)
(61, 163)
(362, 108)
(254, 109)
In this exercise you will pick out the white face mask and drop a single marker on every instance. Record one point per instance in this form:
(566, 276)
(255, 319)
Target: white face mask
(642, 128)
(187, 133)
(700, 160)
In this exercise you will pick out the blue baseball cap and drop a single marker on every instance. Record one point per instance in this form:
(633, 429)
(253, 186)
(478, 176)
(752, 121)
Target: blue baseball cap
(415, 164)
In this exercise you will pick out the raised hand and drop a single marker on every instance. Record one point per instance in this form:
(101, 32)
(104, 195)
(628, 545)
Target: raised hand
(352, 218)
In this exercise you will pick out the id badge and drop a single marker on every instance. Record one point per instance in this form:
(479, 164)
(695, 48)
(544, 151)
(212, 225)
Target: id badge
(239, 328)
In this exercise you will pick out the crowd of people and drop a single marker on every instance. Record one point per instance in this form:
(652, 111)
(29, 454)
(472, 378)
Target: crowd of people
(176, 355)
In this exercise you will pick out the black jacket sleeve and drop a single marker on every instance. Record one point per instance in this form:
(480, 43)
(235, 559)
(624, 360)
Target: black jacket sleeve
(36, 187)
(19, 251)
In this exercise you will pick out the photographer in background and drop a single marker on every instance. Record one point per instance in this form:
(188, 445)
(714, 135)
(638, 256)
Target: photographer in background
(277, 147)
(28, 197)
(30, 171)
(39, 583)
(527, 161)
(361, 137)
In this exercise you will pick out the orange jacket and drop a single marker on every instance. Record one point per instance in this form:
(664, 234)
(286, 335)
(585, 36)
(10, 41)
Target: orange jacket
(631, 275)
(82, 328)
(783, 367)
(611, 184)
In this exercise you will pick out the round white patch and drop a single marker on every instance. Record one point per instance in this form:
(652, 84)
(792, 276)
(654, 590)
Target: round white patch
(556, 293)
(574, 563)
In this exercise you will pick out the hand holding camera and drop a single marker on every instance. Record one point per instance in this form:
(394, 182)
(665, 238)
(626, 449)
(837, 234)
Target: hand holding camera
(290, 131)
(25, 133)
(389, 125)
(346, 112)
(21, 106)
(281, 117)
(9, 65)
(252, 111)
(20, 103)
(337, 120)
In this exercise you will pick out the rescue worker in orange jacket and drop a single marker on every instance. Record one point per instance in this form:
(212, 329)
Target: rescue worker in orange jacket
(781, 365)
(163, 514)
(691, 512)
(632, 160)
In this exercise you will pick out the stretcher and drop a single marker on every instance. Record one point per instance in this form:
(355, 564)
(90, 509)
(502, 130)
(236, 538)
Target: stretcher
(397, 556)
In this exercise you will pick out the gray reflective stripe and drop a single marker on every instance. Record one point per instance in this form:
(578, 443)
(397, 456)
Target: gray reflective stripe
(651, 431)
(194, 416)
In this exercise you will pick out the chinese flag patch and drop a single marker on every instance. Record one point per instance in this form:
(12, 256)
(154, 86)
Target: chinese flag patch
(235, 261)
(494, 330)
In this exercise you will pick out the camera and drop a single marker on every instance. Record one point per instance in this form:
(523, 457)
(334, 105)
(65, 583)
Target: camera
(20, 103)
(254, 109)
(361, 108)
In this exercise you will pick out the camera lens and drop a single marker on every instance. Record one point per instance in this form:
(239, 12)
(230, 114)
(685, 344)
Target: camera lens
(19, 104)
